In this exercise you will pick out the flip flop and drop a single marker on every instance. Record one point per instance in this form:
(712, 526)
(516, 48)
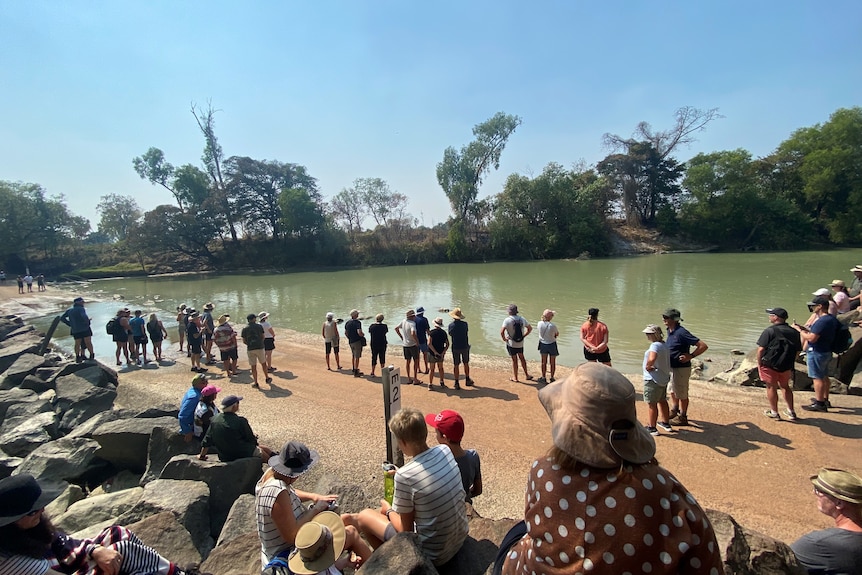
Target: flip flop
(513, 380)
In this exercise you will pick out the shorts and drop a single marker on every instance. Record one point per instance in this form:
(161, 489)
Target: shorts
(389, 532)
(229, 354)
(181, 329)
(256, 356)
(82, 334)
(461, 355)
(423, 347)
(141, 339)
(769, 375)
(356, 348)
(433, 358)
(549, 349)
(120, 338)
(269, 343)
(679, 381)
(331, 346)
(195, 347)
(411, 352)
(653, 392)
(604, 357)
(513, 351)
(818, 364)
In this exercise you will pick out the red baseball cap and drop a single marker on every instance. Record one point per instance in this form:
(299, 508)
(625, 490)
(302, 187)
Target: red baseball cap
(448, 422)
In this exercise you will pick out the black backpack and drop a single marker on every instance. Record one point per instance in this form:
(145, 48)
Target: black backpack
(518, 325)
(111, 326)
(843, 340)
(780, 354)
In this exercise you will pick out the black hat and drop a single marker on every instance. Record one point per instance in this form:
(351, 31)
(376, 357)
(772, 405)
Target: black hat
(21, 495)
(819, 301)
(294, 459)
(778, 311)
(251, 317)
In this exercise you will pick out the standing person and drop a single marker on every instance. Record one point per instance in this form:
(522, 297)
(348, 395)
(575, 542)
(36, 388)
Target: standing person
(548, 334)
(819, 338)
(232, 435)
(449, 426)
(206, 410)
(679, 342)
(422, 330)
(329, 332)
(837, 549)
(459, 332)
(429, 496)
(438, 343)
(195, 340)
(225, 339)
(139, 336)
(656, 372)
(355, 337)
(79, 327)
(515, 329)
(120, 336)
(268, 339)
(182, 317)
(20, 284)
(841, 296)
(158, 333)
(28, 279)
(856, 287)
(188, 405)
(252, 337)
(777, 348)
(207, 326)
(594, 336)
(40, 282)
(406, 330)
(378, 331)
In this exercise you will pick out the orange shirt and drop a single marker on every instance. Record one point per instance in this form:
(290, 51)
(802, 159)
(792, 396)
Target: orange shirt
(595, 334)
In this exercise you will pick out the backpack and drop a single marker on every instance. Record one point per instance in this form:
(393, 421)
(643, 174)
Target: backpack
(780, 354)
(843, 340)
(111, 326)
(518, 325)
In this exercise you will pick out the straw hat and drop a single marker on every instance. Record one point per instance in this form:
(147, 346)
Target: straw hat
(319, 543)
(456, 313)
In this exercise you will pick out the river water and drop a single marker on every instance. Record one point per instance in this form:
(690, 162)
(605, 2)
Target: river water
(722, 297)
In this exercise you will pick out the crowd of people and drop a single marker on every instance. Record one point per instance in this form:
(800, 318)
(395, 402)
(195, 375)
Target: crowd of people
(26, 281)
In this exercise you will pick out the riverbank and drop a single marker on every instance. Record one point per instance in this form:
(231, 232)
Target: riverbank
(731, 458)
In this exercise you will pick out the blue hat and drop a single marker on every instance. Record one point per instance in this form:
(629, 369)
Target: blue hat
(420, 310)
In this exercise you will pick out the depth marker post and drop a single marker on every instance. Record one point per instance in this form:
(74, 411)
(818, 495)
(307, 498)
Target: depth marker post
(391, 404)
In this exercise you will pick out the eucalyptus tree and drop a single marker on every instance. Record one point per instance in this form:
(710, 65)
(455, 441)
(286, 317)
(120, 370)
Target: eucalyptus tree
(117, 214)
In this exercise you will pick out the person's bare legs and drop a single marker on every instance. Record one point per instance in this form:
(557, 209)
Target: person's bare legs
(337, 360)
(524, 365)
(788, 395)
(87, 342)
(664, 408)
(371, 523)
(254, 374)
(653, 414)
(515, 368)
(544, 365)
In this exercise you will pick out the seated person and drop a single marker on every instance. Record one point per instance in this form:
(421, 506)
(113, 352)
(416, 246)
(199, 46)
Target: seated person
(429, 496)
(598, 499)
(31, 545)
(449, 426)
(839, 548)
(206, 410)
(281, 514)
(231, 435)
(320, 545)
(189, 404)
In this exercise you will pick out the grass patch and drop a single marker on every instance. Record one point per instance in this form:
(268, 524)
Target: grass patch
(118, 269)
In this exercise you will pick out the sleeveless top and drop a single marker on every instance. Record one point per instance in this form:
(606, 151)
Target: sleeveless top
(271, 542)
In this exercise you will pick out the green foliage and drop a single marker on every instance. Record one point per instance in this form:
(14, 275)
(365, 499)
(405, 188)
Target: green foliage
(302, 212)
(457, 247)
(118, 215)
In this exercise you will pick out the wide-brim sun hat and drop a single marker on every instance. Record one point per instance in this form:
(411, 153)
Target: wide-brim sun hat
(294, 459)
(839, 484)
(262, 316)
(456, 313)
(594, 420)
(21, 495)
(223, 319)
(318, 544)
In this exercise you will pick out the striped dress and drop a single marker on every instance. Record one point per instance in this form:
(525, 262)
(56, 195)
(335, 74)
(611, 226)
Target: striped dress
(266, 492)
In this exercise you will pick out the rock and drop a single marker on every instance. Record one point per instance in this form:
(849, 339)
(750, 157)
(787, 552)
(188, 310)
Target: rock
(241, 520)
(70, 495)
(20, 436)
(480, 548)
(227, 481)
(97, 509)
(164, 533)
(165, 444)
(67, 459)
(837, 387)
(11, 350)
(163, 410)
(25, 365)
(23, 330)
(125, 479)
(747, 552)
(9, 397)
(87, 428)
(800, 380)
(189, 501)
(240, 556)
(36, 383)
(29, 408)
(855, 386)
(78, 400)
(351, 497)
(8, 465)
(124, 442)
(96, 373)
(8, 324)
(400, 554)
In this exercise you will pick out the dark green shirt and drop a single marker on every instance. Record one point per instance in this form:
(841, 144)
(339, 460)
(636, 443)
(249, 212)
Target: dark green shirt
(231, 435)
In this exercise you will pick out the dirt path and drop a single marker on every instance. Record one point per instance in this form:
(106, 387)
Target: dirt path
(732, 458)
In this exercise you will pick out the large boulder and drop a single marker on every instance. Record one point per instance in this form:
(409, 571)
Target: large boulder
(165, 444)
(12, 349)
(30, 408)
(72, 494)
(36, 383)
(67, 459)
(240, 556)
(8, 324)
(401, 554)
(97, 508)
(747, 552)
(189, 501)
(125, 442)
(227, 481)
(166, 535)
(25, 365)
(350, 496)
(855, 385)
(8, 465)
(98, 373)
(9, 397)
(87, 428)
(241, 519)
(20, 436)
(78, 399)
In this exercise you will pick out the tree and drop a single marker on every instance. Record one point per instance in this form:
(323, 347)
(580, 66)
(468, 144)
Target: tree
(212, 158)
(461, 172)
(380, 201)
(117, 215)
(153, 167)
(171, 229)
(302, 212)
(348, 210)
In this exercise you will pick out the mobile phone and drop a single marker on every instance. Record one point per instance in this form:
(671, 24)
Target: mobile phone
(333, 505)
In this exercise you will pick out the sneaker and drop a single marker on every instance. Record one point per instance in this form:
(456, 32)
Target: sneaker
(552, 380)
(791, 415)
(828, 404)
(816, 406)
(430, 387)
(541, 380)
(469, 382)
(193, 369)
(673, 413)
(665, 426)
(457, 385)
(202, 370)
(271, 369)
(269, 380)
(652, 430)
(255, 386)
(771, 414)
(680, 419)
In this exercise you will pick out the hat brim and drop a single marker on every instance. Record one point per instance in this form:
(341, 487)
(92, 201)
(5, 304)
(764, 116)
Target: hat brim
(49, 493)
(278, 464)
(330, 555)
(828, 489)
(456, 315)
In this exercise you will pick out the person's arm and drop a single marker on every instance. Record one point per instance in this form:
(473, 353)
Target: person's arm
(187, 418)
(504, 334)
(584, 341)
(65, 318)
(603, 346)
(164, 331)
(650, 362)
(398, 331)
(760, 351)
(699, 348)
(529, 329)
(476, 488)
(323, 330)
(445, 344)
(400, 521)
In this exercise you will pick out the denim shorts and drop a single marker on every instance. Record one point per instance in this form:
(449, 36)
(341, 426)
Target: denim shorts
(818, 364)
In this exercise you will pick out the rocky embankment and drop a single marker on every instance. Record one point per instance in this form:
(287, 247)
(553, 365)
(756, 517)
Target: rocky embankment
(59, 422)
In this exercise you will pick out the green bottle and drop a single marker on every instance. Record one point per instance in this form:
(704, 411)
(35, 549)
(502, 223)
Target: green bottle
(388, 482)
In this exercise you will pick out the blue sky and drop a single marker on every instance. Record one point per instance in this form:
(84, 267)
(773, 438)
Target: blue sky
(380, 89)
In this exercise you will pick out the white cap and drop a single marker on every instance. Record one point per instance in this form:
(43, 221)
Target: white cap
(821, 291)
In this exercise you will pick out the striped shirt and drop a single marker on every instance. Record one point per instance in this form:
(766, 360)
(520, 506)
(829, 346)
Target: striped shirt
(430, 487)
(267, 491)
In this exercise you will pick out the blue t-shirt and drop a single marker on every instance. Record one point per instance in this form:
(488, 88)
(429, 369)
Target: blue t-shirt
(458, 331)
(422, 327)
(826, 326)
(660, 375)
(679, 341)
(137, 325)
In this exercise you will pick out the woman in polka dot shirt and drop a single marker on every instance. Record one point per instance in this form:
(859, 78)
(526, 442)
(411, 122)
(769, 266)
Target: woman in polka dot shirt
(598, 501)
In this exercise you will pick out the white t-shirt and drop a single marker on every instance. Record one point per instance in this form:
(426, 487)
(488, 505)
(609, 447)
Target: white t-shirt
(408, 333)
(267, 330)
(660, 375)
(330, 332)
(430, 486)
(509, 324)
(547, 331)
